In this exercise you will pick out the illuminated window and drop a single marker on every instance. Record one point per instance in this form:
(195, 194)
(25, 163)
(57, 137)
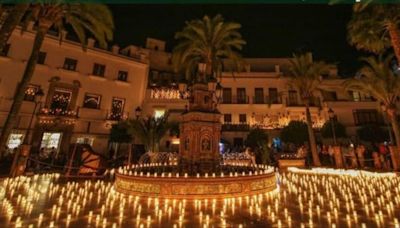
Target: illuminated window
(85, 140)
(30, 92)
(15, 140)
(159, 113)
(50, 140)
(92, 101)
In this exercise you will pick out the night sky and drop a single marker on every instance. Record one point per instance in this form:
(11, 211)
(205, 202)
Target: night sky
(270, 30)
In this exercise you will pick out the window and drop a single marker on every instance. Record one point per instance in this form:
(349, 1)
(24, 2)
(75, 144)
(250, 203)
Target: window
(92, 101)
(355, 96)
(85, 140)
(122, 75)
(6, 49)
(227, 95)
(242, 118)
(241, 95)
(117, 108)
(60, 101)
(273, 95)
(30, 92)
(42, 57)
(227, 118)
(70, 64)
(292, 97)
(159, 113)
(259, 95)
(51, 140)
(99, 69)
(365, 116)
(14, 140)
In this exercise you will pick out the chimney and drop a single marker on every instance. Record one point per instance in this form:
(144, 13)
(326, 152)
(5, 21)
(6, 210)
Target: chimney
(277, 69)
(63, 34)
(247, 67)
(90, 42)
(30, 26)
(115, 49)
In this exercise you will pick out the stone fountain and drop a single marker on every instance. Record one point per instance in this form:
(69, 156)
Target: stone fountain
(199, 171)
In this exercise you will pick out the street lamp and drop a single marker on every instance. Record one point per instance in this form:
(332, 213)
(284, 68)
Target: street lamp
(138, 111)
(331, 114)
(36, 99)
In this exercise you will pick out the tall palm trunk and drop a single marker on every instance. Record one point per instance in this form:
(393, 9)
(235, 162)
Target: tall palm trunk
(396, 130)
(395, 39)
(311, 137)
(26, 78)
(12, 20)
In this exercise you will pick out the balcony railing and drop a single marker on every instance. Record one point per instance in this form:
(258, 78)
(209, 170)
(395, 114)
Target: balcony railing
(236, 100)
(266, 100)
(235, 127)
(117, 116)
(58, 112)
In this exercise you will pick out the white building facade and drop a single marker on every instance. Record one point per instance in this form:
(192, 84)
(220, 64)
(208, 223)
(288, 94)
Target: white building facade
(85, 92)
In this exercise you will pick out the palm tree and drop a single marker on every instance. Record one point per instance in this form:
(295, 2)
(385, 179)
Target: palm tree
(379, 80)
(13, 18)
(208, 41)
(149, 130)
(375, 28)
(82, 18)
(305, 76)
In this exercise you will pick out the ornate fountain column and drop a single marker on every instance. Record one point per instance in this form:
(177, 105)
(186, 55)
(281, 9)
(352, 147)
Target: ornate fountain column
(200, 132)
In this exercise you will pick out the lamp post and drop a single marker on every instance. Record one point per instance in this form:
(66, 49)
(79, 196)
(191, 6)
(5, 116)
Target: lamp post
(331, 114)
(138, 111)
(37, 99)
(384, 110)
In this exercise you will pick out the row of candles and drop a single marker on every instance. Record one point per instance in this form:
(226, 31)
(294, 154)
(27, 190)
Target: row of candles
(135, 170)
(302, 200)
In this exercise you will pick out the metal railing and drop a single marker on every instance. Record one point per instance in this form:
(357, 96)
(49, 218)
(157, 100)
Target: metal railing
(235, 127)
(236, 100)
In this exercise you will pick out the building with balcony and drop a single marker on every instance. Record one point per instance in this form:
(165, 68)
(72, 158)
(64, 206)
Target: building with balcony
(85, 92)
(261, 97)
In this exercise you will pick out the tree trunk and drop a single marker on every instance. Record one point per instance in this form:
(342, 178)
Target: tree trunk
(12, 20)
(311, 137)
(395, 40)
(19, 96)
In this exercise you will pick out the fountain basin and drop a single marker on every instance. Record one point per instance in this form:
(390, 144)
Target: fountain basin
(198, 187)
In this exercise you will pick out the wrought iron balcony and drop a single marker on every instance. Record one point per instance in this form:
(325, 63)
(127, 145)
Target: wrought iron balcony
(266, 100)
(235, 127)
(59, 112)
(117, 116)
(235, 100)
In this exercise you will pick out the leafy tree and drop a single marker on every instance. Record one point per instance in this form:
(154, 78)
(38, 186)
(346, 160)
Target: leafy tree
(120, 133)
(378, 80)
(372, 133)
(375, 28)
(305, 75)
(340, 130)
(95, 19)
(149, 130)
(256, 138)
(295, 132)
(209, 41)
